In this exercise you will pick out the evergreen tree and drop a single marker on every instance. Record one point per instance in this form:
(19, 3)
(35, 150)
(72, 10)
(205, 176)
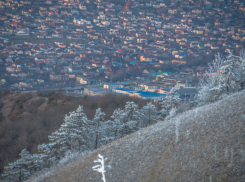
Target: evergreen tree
(131, 117)
(79, 129)
(228, 75)
(224, 76)
(210, 88)
(12, 172)
(148, 115)
(37, 163)
(172, 99)
(107, 132)
(18, 170)
(242, 68)
(96, 122)
(118, 117)
(46, 155)
(72, 135)
(131, 111)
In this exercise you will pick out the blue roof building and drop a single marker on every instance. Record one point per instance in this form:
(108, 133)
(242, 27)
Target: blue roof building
(141, 94)
(116, 64)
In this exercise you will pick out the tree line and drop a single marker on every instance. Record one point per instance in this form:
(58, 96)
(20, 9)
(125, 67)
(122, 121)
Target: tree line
(82, 135)
(26, 119)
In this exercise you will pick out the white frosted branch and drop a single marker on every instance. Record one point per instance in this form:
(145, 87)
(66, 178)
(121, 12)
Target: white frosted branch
(101, 167)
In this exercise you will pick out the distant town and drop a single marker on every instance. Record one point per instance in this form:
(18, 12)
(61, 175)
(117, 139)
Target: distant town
(137, 47)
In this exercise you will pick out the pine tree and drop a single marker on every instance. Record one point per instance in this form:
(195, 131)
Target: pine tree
(72, 135)
(148, 114)
(79, 129)
(12, 172)
(18, 170)
(59, 140)
(107, 132)
(46, 155)
(131, 110)
(36, 164)
(172, 113)
(210, 88)
(24, 162)
(228, 75)
(96, 123)
(242, 68)
(131, 117)
(172, 99)
(118, 117)
(224, 76)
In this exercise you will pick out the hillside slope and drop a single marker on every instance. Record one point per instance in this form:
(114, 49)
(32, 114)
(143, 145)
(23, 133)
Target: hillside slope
(205, 144)
(26, 119)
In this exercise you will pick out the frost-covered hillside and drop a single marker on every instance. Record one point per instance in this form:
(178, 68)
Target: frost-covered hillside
(205, 144)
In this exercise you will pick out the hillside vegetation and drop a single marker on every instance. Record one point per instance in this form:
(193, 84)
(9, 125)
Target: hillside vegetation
(204, 144)
(26, 119)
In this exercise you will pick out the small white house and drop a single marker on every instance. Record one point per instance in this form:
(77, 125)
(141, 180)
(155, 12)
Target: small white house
(112, 86)
(22, 33)
(149, 87)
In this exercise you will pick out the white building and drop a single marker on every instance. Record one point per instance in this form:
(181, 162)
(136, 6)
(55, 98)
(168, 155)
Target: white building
(22, 33)
(112, 86)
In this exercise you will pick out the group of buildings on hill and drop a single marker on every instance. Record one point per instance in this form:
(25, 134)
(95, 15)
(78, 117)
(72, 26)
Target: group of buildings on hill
(49, 44)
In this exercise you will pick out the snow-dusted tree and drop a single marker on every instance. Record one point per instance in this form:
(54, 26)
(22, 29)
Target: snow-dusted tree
(131, 117)
(36, 164)
(119, 119)
(228, 75)
(172, 99)
(208, 94)
(148, 115)
(223, 76)
(100, 167)
(107, 132)
(12, 172)
(163, 112)
(15, 172)
(172, 113)
(96, 123)
(126, 121)
(72, 135)
(45, 150)
(60, 141)
(79, 129)
(26, 159)
(46, 155)
(132, 111)
(242, 68)
(18, 170)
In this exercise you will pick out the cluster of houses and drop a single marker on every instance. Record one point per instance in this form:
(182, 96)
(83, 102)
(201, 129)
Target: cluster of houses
(64, 43)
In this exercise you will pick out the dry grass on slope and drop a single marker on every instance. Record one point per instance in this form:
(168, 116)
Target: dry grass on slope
(205, 144)
(26, 119)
